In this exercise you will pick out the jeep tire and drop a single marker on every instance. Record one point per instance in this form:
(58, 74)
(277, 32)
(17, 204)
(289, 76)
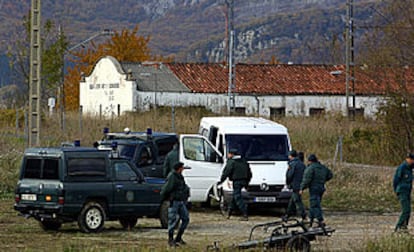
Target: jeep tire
(129, 222)
(92, 217)
(48, 225)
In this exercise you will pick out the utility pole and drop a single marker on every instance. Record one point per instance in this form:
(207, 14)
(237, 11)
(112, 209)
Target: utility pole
(350, 60)
(34, 78)
(230, 59)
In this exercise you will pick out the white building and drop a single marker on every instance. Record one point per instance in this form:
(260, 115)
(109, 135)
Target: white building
(266, 90)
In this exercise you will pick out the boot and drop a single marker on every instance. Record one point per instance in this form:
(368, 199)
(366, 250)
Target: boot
(229, 212)
(171, 241)
(244, 217)
(178, 239)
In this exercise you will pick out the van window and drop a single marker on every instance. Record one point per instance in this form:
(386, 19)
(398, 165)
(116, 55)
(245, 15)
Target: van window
(198, 149)
(41, 168)
(260, 147)
(86, 167)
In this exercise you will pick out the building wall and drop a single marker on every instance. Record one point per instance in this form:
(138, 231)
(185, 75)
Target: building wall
(106, 91)
(258, 105)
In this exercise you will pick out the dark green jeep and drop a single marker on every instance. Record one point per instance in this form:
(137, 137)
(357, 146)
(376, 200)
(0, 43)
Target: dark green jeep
(86, 185)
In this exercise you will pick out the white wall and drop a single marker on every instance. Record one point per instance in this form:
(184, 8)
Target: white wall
(258, 105)
(106, 91)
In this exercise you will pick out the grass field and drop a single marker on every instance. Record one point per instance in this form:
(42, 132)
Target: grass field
(356, 187)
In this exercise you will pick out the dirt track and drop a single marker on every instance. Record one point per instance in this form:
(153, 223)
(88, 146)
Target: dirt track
(206, 226)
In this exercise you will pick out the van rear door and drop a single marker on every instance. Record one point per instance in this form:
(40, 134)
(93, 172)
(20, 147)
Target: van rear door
(205, 163)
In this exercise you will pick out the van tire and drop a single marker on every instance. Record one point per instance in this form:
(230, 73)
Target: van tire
(92, 218)
(48, 225)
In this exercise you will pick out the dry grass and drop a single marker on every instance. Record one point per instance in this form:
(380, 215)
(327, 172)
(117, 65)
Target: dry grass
(311, 135)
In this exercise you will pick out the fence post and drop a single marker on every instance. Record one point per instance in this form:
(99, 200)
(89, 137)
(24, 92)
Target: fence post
(80, 121)
(173, 118)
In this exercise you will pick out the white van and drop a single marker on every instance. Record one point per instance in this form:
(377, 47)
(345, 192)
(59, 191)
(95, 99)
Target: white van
(264, 144)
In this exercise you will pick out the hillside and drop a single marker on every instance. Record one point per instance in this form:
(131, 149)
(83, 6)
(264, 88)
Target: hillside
(194, 30)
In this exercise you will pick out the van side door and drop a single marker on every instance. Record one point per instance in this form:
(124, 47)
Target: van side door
(205, 163)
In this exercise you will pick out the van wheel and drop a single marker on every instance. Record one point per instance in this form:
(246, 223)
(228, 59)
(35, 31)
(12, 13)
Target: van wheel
(224, 207)
(128, 223)
(164, 213)
(91, 218)
(50, 225)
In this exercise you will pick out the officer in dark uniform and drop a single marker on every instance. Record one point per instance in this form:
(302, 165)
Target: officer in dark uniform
(314, 178)
(177, 192)
(238, 171)
(294, 176)
(402, 184)
(171, 159)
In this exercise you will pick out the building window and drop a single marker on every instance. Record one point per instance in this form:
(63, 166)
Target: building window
(358, 112)
(316, 111)
(240, 111)
(277, 112)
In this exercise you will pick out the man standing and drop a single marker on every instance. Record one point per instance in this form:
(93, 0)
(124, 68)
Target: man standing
(402, 184)
(171, 159)
(177, 192)
(314, 178)
(238, 171)
(294, 177)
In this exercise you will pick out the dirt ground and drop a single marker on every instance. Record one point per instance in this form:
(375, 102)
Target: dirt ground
(206, 226)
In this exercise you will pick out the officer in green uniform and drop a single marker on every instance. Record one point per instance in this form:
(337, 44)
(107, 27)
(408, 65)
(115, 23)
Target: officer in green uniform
(171, 159)
(402, 184)
(238, 171)
(314, 178)
(177, 192)
(294, 176)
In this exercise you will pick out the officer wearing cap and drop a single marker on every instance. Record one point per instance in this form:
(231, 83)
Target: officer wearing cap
(402, 184)
(314, 178)
(237, 170)
(294, 176)
(177, 192)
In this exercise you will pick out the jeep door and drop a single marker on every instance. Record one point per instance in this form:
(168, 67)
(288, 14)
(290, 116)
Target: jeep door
(132, 196)
(205, 165)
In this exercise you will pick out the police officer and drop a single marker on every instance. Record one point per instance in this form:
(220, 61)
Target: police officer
(294, 176)
(402, 184)
(177, 192)
(171, 159)
(238, 171)
(314, 178)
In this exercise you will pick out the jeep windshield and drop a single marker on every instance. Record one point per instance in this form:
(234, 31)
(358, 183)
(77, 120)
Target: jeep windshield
(260, 147)
(124, 150)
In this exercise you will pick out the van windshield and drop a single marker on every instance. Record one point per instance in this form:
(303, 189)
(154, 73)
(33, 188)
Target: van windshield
(260, 147)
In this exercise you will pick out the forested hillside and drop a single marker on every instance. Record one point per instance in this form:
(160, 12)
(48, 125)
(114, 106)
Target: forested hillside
(300, 31)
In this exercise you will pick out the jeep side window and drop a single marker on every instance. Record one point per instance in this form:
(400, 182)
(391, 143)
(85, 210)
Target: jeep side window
(124, 172)
(86, 167)
(145, 157)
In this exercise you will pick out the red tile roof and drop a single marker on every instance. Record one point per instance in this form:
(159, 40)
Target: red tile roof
(277, 79)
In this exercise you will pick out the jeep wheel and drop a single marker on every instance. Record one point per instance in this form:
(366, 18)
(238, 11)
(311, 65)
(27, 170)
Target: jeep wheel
(91, 218)
(164, 213)
(128, 223)
(48, 225)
